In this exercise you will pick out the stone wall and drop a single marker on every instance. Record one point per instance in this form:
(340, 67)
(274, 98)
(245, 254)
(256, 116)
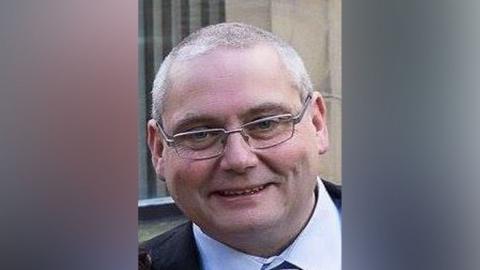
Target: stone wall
(313, 28)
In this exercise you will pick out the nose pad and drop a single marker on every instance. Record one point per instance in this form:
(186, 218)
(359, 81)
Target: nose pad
(245, 137)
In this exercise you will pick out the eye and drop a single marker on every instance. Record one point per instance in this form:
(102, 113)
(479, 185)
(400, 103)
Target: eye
(266, 124)
(196, 134)
(269, 127)
(198, 140)
(263, 125)
(199, 135)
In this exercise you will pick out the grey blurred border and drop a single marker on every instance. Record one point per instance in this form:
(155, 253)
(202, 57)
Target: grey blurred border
(410, 134)
(68, 137)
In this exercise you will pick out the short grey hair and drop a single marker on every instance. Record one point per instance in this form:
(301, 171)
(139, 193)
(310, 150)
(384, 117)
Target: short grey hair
(227, 35)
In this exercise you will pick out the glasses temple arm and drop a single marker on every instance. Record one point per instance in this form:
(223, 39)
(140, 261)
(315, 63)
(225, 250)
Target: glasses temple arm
(168, 139)
(299, 117)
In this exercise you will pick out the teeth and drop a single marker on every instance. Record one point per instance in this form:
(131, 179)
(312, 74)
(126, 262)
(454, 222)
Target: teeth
(249, 191)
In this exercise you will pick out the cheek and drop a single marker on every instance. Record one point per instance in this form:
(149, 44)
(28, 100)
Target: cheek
(287, 159)
(298, 156)
(185, 177)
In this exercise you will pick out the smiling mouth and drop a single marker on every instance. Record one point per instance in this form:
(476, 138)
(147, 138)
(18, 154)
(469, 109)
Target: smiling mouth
(243, 192)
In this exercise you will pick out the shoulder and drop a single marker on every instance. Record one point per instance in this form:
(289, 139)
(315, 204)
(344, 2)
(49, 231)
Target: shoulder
(335, 192)
(175, 249)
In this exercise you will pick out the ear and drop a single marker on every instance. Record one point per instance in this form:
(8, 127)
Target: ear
(155, 144)
(319, 120)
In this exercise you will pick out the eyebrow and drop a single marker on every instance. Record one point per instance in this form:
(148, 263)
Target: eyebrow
(267, 108)
(192, 118)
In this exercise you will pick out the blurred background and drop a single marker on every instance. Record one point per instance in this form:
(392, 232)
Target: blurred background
(70, 132)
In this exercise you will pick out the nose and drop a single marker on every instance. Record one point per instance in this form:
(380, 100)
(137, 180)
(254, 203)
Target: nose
(238, 156)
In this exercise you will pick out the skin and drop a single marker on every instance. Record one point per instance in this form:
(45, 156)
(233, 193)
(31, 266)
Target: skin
(227, 88)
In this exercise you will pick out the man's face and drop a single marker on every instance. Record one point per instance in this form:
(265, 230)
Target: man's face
(225, 89)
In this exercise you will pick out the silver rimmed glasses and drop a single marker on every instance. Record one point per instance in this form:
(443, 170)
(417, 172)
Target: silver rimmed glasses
(259, 134)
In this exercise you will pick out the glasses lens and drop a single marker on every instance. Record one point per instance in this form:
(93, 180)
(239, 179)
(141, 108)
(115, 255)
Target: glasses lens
(270, 131)
(199, 144)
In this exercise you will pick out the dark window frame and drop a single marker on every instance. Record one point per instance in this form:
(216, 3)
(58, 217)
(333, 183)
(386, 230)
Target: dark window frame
(162, 24)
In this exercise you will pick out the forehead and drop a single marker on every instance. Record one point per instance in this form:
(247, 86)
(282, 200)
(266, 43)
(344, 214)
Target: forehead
(228, 82)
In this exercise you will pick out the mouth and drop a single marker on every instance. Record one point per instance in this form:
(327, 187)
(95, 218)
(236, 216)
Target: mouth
(241, 192)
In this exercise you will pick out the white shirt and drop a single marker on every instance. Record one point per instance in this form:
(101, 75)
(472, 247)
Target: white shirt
(317, 247)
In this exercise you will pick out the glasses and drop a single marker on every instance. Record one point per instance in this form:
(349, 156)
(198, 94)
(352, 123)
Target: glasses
(259, 134)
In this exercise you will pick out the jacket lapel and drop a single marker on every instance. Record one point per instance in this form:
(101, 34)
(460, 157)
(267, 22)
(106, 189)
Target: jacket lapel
(176, 250)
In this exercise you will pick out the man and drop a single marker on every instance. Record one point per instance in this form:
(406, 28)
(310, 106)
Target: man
(238, 132)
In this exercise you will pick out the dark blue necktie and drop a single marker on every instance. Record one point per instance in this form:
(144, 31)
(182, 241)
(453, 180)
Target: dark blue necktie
(286, 266)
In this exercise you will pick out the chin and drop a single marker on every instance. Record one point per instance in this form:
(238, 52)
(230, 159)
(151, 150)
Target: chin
(241, 225)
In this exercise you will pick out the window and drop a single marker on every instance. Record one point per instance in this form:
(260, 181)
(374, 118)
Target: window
(162, 24)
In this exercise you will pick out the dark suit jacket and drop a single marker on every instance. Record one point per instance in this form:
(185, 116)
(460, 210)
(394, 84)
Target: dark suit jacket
(176, 249)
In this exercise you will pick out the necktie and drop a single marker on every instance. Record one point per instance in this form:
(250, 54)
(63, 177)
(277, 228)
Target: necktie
(286, 266)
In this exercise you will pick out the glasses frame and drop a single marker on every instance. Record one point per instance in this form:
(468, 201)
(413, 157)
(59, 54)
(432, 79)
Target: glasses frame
(170, 140)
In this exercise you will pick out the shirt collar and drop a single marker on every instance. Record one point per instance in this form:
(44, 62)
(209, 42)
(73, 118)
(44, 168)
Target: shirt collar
(318, 246)
(216, 255)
